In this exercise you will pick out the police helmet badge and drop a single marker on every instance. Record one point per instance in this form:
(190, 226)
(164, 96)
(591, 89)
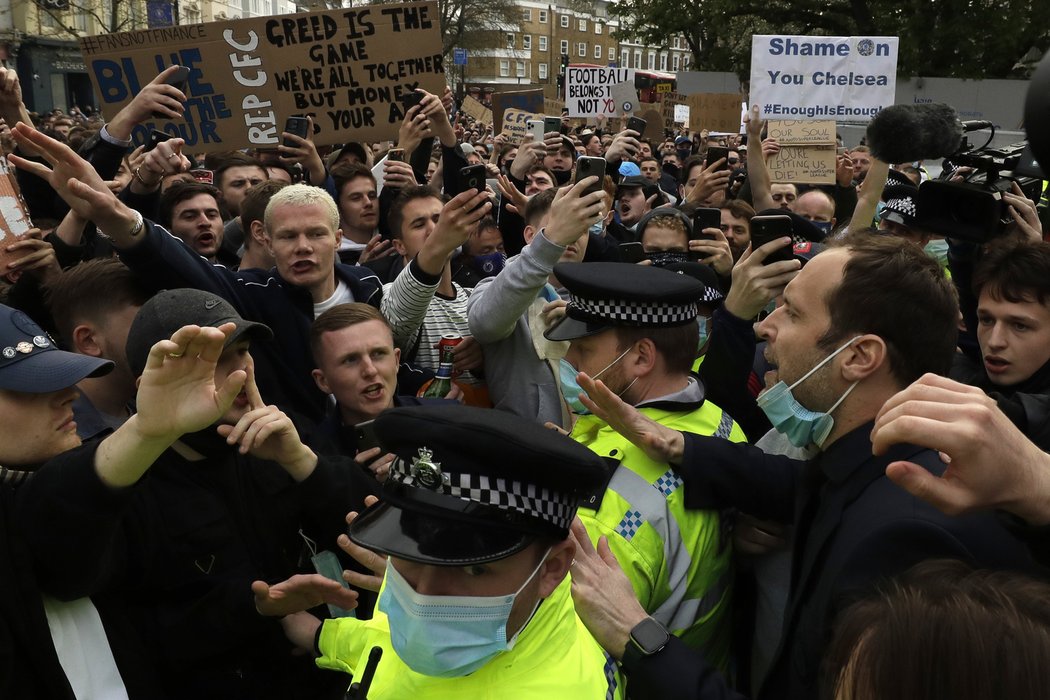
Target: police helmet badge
(426, 471)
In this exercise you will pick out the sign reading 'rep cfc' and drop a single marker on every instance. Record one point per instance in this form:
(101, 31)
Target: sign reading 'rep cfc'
(348, 68)
(589, 91)
(823, 77)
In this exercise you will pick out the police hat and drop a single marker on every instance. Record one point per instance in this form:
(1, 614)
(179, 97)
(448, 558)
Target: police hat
(170, 310)
(472, 485)
(32, 364)
(604, 295)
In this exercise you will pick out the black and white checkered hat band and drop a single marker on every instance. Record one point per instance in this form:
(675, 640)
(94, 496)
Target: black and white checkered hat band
(635, 313)
(552, 507)
(711, 295)
(902, 205)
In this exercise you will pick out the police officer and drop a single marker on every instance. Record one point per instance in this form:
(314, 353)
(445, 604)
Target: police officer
(475, 520)
(636, 328)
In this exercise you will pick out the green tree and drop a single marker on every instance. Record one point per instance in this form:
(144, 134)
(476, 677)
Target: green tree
(476, 24)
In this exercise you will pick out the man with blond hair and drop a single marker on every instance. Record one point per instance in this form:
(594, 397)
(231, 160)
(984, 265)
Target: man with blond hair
(302, 232)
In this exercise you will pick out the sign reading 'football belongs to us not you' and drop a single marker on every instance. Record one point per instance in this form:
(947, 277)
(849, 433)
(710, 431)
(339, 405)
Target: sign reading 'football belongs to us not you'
(348, 68)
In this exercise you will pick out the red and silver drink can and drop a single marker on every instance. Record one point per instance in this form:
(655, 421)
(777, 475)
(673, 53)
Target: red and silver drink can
(449, 340)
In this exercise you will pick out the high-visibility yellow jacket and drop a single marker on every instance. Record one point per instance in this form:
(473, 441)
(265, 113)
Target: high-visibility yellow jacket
(678, 560)
(553, 657)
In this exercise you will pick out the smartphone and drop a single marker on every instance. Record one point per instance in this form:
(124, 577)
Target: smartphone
(299, 126)
(178, 80)
(841, 150)
(637, 124)
(155, 137)
(632, 252)
(551, 124)
(705, 217)
(535, 127)
(396, 154)
(586, 166)
(366, 435)
(474, 177)
(205, 176)
(769, 228)
(714, 153)
(411, 99)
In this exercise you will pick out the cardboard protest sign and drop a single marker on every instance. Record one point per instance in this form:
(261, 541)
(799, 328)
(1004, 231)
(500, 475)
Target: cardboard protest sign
(803, 164)
(625, 97)
(715, 112)
(669, 105)
(14, 216)
(846, 78)
(792, 132)
(477, 111)
(348, 68)
(654, 123)
(553, 107)
(515, 124)
(521, 100)
(588, 90)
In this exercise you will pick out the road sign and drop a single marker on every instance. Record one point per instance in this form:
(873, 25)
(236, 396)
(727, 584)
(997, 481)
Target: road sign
(459, 57)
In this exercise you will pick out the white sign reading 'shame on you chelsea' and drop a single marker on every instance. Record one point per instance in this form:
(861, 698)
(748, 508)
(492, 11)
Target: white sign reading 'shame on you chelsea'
(823, 77)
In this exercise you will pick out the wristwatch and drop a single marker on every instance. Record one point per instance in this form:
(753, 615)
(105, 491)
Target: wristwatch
(647, 638)
(136, 228)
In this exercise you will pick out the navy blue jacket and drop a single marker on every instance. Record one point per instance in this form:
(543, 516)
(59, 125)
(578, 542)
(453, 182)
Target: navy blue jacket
(283, 365)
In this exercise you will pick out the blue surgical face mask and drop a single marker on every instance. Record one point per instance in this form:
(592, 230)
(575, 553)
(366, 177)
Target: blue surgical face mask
(447, 636)
(597, 229)
(801, 426)
(824, 226)
(938, 250)
(571, 390)
(491, 264)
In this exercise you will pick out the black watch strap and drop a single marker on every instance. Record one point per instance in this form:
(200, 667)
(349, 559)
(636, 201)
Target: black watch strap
(647, 638)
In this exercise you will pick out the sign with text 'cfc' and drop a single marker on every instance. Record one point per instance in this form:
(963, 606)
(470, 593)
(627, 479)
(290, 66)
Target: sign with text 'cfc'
(348, 68)
(589, 90)
(846, 78)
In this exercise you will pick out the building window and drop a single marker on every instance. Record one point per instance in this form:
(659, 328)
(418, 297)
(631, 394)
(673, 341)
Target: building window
(564, 47)
(565, 21)
(543, 71)
(510, 40)
(598, 51)
(543, 17)
(80, 20)
(543, 43)
(526, 15)
(675, 63)
(597, 27)
(581, 24)
(519, 69)
(625, 59)
(675, 43)
(685, 62)
(504, 68)
(612, 54)
(637, 58)
(663, 61)
(581, 49)
(526, 41)
(651, 65)
(47, 19)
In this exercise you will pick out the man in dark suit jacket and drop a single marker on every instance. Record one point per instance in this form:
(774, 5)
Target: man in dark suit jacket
(850, 333)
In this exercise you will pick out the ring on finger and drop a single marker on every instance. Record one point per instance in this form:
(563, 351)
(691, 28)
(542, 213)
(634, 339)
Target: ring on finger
(173, 155)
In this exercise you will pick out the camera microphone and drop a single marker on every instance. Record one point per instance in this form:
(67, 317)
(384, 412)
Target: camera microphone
(976, 125)
(906, 133)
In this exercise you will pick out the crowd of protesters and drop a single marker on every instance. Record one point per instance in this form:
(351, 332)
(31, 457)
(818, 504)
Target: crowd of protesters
(822, 469)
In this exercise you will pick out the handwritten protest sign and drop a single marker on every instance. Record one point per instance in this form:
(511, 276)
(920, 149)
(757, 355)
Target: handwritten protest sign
(476, 110)
(349, 68)
(588, 90)
(515, 124)
(521, 100)
(793, 132)
(553, 107)
(719, 111)
(670, 103)
(803, 164)
(846, 78)
(14, 216)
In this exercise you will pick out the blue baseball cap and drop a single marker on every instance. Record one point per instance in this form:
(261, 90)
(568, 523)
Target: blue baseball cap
(30, 361)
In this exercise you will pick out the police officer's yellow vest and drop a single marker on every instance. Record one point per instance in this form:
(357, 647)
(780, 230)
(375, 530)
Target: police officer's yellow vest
(553, 657)
(678, 560)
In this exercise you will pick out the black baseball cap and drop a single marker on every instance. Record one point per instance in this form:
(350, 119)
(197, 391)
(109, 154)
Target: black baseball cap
(31, 363)
(473, 485)
(170, 310)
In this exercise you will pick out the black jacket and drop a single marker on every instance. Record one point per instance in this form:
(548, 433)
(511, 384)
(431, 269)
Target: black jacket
(282, 366)
(180, 550)
(853, 528)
